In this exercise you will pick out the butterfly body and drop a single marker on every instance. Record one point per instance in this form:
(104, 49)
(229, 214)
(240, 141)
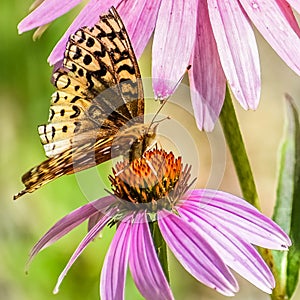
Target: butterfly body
(97, 111)
(133, 141)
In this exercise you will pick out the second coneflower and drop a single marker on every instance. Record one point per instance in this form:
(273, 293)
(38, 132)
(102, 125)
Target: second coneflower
(209, 232)
(215, 37)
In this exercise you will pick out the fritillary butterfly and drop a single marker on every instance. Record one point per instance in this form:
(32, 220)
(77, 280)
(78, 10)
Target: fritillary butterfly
(99, 91)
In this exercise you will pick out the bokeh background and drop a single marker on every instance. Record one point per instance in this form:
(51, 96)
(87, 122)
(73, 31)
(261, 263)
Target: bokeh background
(25, 91)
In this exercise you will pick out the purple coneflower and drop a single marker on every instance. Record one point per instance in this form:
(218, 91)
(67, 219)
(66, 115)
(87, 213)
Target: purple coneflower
(209, 232)
(215, 36)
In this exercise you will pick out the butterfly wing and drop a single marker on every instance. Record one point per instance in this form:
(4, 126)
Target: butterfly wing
(99, 90)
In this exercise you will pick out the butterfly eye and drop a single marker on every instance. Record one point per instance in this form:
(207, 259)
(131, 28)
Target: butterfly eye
(150, 135)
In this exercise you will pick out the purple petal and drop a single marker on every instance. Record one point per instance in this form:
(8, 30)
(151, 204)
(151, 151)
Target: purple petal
(87, 239)
(236, 253)
(172, 44)
(70, 221)
(237, 49)
(46, 12)
(275, 21)
(145, 268)
(239, 216)
(195, 254)
(88, 16)
(207, 79)
(114, 269)
(94, 219)
(295, 4)
(139, 18)
(35, 4)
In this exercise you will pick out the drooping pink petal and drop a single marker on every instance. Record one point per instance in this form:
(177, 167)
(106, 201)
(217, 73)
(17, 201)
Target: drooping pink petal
(239, 255)
(207, 79)
(173, 42)
(295, 4)
(84, 243)
(278, 28)
(289, 15)
(88, 16)
(70, 221)
(195, 254)
(237, 49)
(235, 213)
(145, 268)
(114, 268)
(141, 23)
(48, 11)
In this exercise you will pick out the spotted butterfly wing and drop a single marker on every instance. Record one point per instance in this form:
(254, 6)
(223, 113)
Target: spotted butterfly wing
(99, 90)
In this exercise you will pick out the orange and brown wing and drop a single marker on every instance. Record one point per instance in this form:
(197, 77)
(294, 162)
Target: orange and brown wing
(99, 90)
(69, 162)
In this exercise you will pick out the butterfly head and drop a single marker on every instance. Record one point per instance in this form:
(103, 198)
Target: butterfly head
(134, 141)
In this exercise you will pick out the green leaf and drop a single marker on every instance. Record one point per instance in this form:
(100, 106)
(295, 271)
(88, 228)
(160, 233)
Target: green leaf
(287, 209)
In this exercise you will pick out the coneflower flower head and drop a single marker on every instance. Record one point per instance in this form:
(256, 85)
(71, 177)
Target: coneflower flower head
(208, 231)
(153, 178)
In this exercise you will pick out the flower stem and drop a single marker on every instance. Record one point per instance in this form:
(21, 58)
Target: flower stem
(238, 152)
(160, 247)
(240, 159)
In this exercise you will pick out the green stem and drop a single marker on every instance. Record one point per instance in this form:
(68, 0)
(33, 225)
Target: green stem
(160, 247)
(238, 152)
(240, 159)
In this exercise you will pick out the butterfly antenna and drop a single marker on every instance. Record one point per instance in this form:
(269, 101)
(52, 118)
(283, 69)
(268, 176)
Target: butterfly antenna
(120, 3)
(161, 120)
(164, 101)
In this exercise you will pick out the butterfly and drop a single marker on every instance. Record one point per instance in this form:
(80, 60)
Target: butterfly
(97, 111)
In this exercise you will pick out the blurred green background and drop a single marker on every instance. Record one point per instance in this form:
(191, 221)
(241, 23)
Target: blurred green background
(25, 91)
